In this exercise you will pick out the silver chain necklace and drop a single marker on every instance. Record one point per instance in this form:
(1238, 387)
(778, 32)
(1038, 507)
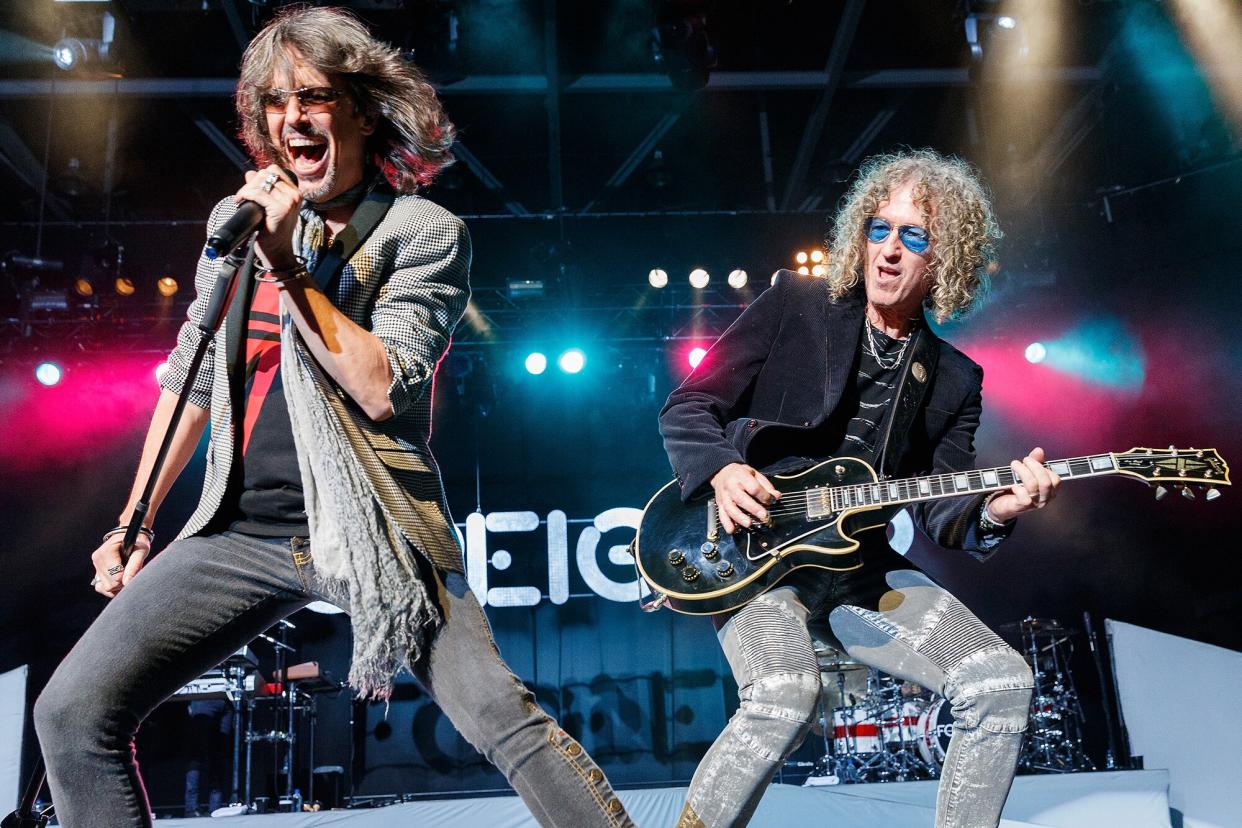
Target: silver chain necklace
(874, 349)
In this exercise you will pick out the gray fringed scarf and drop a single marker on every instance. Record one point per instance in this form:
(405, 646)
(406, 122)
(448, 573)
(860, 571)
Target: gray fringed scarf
(360, 554)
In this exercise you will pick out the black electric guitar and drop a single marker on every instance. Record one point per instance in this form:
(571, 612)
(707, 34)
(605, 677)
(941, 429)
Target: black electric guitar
(692, 566)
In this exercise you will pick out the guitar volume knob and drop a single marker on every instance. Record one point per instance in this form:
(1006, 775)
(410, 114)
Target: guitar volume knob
(724, 569)
(676, 558)
(690, 573)
(710, 551)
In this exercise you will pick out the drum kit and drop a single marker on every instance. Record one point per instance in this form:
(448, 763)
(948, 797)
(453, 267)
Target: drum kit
(280, 713)
(877, 728)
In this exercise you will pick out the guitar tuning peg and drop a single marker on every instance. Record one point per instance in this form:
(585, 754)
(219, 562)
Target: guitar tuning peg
(1211, 494)
(1187, 493)
(1161, 491)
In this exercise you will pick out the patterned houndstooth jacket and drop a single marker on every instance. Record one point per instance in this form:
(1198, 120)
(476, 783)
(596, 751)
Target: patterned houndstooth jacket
(408, 283)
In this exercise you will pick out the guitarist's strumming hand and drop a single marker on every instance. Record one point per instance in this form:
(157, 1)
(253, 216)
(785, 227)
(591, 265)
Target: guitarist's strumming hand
(1038, 487)
(741, 495)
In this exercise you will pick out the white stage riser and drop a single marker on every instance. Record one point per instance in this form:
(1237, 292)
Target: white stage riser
(1135, 799)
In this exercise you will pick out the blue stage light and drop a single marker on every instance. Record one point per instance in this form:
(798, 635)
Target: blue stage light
(48, 373)
(572, 361)
(1035, 352)
(536, 363)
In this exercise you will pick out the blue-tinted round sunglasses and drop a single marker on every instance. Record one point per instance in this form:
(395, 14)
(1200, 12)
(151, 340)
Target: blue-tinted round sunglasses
(913, 237)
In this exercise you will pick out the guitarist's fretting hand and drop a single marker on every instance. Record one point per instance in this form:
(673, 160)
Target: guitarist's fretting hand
(1038, 487)
(741, 494)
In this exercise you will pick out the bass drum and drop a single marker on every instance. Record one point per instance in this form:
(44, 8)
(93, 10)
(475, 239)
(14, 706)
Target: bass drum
(855, 731)
(935, 729)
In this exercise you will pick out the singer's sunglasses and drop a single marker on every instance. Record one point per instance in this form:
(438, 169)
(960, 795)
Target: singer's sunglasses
(914, 238)
(310, 98)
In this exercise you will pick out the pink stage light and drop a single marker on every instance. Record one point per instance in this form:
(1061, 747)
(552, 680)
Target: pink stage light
(92, 409)
(696, 356)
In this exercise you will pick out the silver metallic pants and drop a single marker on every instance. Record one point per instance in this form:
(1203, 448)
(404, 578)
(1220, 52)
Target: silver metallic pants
(919, 632)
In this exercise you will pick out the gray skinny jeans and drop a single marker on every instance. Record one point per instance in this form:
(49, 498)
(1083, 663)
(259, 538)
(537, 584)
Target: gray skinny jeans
(203, 598)
(919, 633)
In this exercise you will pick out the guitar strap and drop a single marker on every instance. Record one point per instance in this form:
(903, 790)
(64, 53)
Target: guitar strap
(916, 375)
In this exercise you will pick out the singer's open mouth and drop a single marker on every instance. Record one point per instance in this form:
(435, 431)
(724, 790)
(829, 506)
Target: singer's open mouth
(306, 155)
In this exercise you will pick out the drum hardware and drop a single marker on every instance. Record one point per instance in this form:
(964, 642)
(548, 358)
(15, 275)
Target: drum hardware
(875, 737)
(1053, 741)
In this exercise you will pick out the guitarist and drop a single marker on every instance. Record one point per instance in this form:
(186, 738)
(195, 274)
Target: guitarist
(847, 365)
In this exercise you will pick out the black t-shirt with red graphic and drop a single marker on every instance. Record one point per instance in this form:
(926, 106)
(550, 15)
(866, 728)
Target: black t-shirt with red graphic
(271, 502)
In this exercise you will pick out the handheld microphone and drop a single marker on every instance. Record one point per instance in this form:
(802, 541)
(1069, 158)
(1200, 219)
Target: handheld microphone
(237, 229)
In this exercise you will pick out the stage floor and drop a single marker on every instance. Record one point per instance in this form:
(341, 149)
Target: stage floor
(1135, 799)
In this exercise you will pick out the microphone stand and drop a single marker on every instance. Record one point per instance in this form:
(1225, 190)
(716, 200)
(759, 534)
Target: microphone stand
(1110, 758)
(217, 306)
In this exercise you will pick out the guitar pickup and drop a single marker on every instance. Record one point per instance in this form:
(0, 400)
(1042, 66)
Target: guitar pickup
(818, 504)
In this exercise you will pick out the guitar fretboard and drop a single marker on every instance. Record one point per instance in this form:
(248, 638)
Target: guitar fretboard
(825, 500)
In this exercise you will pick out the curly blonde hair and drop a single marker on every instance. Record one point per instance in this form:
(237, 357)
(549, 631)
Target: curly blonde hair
(957, 211)
(413, 136)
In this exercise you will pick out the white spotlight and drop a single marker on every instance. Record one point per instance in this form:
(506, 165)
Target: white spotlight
(800, 257)
(1006, 22)
(657, 278)
(699, 278)
(819, 270)
(817, 256)
(737, 279)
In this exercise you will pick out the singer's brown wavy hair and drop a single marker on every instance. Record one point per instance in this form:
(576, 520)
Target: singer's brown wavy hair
(413, 135)
(956, 208)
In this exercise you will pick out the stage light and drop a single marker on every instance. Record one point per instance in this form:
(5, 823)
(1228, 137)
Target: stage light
(1006, 22)
(1035, 353)
(536, 363)
(161, 370)
(699, 278)
(737, 279)
(572, 361)
(804, 270)
(657, 278)
(819, 270)
(68, 53)
(519, 289)
(83, 287)
(800, 257)
(817, 256)
(48, 373)
(123, 286)
(696, 356)
(166, 286)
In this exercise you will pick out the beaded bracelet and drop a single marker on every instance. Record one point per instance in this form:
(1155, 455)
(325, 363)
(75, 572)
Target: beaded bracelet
(986, 521)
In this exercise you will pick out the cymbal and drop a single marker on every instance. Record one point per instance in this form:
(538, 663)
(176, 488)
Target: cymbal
(1037, 626)
(839, 666)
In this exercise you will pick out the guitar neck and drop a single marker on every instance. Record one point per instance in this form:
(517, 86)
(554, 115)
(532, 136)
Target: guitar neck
(954, 484)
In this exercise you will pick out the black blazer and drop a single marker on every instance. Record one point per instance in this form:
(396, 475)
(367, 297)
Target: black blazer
(781, 369)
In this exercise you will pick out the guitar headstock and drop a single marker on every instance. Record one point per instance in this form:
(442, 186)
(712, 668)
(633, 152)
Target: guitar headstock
(1176, 468)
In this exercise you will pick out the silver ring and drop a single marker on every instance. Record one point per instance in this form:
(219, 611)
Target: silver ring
(94, 580)
(270, 182)
(113, 570)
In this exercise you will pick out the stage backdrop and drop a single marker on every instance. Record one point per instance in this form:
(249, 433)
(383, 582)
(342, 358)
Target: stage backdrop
(1176, 699)
(12, 713)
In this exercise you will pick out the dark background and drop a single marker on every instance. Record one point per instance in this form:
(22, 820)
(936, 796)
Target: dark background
(1116, 169)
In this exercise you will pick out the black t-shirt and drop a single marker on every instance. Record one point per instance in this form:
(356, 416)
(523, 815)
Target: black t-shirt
(270, 503)
(854, 427)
